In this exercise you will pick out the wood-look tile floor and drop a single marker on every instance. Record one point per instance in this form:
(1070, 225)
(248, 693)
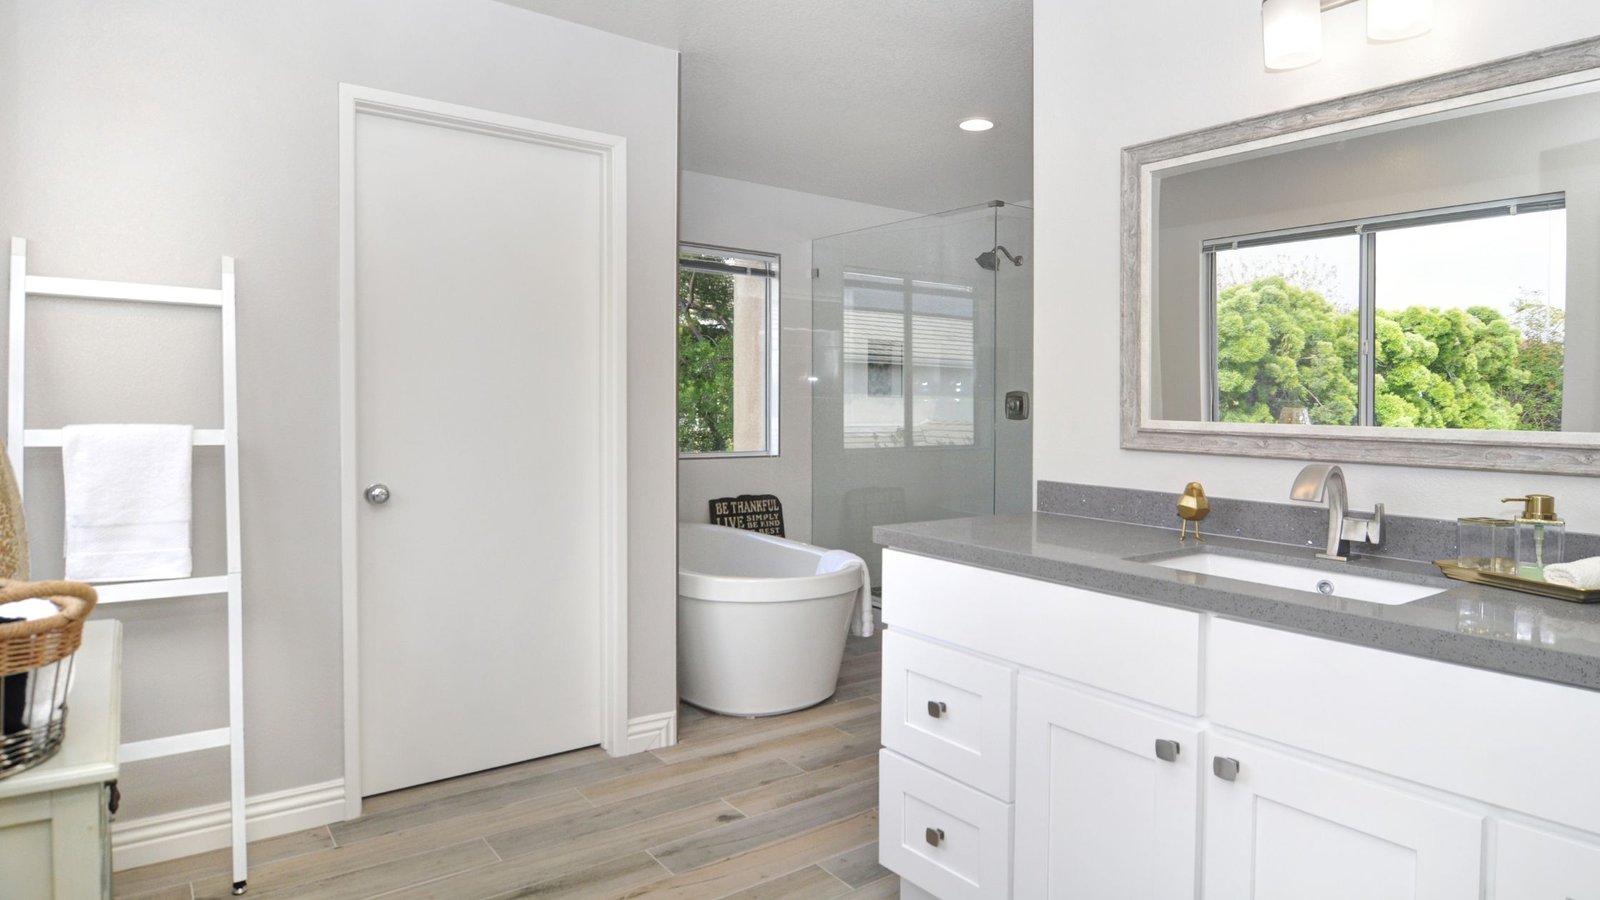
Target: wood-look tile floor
(782, 807)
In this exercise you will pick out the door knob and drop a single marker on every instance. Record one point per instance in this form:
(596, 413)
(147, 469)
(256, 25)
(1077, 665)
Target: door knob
(1167, 751)
(377, 494)
(936, 708)
(934, 836)
(1225, 768)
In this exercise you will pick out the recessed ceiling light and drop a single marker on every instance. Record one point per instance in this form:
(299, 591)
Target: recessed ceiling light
(976, 124)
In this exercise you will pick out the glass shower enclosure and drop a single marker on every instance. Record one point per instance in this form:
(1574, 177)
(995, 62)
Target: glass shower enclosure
(922, 341)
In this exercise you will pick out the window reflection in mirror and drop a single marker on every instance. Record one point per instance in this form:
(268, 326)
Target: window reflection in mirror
(1411, 274)
(1449, 318)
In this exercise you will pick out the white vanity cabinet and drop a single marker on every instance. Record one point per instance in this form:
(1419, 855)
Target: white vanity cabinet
(1071, 727)
(999, 688)
(1106, 796)
(1532, 862)
(1281, 827)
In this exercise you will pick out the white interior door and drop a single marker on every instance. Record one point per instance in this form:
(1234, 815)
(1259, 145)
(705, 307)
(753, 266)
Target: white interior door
(478, 261)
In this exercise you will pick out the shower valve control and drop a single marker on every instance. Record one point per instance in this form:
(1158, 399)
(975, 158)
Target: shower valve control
(1016, 404)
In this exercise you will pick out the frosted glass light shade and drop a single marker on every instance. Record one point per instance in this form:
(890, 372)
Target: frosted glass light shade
(1291, 32)
(1394, 20)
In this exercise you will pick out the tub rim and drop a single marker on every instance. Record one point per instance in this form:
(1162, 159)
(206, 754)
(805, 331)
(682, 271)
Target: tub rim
(712, 588)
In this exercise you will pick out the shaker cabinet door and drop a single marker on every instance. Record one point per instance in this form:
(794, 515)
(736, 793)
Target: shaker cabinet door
(1106, 798)
(1280, 827)
(1535, 863)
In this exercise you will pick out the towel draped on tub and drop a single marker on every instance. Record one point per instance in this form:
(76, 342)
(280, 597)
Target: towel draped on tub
(861, 624)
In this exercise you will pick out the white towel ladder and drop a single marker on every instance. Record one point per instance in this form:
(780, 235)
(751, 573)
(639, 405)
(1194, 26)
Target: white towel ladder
(23, 286)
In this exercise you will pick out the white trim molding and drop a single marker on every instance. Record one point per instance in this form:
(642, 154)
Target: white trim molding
(612, 578)
(652, 732)
(153, 839)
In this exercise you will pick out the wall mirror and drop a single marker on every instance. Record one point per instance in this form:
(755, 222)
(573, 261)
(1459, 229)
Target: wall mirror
(1409, 275)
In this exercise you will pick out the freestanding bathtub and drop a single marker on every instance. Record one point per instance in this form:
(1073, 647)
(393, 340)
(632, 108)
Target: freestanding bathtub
(759, 632)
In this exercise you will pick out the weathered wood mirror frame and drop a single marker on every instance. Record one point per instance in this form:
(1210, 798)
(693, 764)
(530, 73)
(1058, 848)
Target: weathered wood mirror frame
(1574, 453)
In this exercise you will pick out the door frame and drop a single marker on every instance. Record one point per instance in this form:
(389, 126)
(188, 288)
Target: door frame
(612, 579)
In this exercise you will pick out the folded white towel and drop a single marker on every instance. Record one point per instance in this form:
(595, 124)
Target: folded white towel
(38, 689)
(861, 624)
(128, 506)
(1583, 574)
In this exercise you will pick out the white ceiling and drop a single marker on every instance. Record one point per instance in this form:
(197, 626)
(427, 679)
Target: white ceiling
(848, 98)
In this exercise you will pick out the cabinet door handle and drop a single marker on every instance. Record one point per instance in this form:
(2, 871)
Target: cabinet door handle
(1167, 751)
(1225, 768)
(936, 708)
(934, 836)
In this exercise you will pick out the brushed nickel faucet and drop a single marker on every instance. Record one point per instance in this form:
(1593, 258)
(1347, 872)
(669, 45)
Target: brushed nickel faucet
(1318, 480)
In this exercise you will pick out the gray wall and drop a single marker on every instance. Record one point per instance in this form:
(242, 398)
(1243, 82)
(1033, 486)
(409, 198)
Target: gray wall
(142, 141)
(1531, 149)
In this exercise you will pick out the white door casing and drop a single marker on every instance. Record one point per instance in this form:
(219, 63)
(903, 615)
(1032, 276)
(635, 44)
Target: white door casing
(557, 360)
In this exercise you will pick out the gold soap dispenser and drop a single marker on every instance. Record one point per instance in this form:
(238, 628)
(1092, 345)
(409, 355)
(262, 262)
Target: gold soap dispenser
(1541, 535)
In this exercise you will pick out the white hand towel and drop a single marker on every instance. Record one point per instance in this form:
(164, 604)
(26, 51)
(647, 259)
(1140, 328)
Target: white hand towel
(39, 690)
(861, 624)
(1583, 574)
(128, 505)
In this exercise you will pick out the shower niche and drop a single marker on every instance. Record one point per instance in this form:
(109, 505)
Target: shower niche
(922, 339)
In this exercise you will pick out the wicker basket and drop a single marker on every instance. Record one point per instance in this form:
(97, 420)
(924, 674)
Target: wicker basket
(36, 669)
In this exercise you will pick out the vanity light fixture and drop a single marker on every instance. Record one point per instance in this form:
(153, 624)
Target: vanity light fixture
(975, 124)
(1291, 30)
(1396, 20)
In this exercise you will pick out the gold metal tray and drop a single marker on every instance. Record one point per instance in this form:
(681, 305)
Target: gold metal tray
(1452, 569)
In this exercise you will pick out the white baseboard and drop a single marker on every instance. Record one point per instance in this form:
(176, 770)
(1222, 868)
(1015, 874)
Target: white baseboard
(652, 732)
(153, 839)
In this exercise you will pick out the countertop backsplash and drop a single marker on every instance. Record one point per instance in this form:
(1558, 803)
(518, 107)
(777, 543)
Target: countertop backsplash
(1404, 537)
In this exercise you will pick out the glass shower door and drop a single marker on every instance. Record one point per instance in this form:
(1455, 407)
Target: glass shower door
(905, 401)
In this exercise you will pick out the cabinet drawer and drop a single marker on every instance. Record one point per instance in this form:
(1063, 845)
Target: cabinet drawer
(1531, 863)
(941, 834)
(1510, 741)
(1129, 647)
(948, 710)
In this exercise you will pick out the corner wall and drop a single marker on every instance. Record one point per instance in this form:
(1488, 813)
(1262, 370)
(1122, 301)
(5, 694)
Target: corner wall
(143, 141)
(1110, 75)
(746, 216)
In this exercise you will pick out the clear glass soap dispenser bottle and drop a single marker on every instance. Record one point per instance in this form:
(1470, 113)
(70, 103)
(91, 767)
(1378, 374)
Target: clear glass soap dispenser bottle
(1540, 535)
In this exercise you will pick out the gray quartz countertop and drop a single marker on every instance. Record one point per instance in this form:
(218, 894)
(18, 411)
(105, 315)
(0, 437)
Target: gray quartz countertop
(1467, 624)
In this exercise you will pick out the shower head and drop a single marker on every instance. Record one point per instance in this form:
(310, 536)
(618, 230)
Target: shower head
(988, 260)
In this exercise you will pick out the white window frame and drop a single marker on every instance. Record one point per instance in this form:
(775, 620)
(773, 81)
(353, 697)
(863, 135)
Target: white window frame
(770, 363)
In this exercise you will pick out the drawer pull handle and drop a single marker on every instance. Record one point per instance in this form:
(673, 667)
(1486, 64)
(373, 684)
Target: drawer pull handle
(937, 709)
(1167, 751)
(935, 836)
(1225, 768)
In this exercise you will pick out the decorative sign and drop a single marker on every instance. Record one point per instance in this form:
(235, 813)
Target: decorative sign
(752, 512)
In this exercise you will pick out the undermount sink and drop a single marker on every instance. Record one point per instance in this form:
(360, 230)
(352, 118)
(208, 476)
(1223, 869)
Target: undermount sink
(1300, 578)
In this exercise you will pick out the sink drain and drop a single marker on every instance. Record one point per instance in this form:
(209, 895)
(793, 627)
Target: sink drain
(1325, 587)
